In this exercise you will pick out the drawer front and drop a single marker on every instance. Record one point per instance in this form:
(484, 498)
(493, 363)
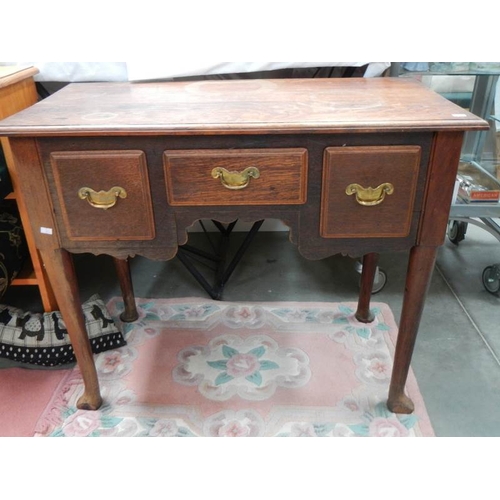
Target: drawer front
(90, 208)
(236, 177)
(349, 209)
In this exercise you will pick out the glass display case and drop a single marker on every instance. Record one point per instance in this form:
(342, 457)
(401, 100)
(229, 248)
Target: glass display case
(482, 211)
(472, 85)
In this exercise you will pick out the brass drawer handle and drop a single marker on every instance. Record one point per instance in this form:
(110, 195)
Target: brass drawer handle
(102, 199)
(370, 196)
(235, 180)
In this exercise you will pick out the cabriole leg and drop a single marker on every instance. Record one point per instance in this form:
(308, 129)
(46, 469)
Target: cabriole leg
(61, 273)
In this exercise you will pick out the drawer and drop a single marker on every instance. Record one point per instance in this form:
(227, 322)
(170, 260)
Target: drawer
(104, 195)
(236, 176)
(349, 209)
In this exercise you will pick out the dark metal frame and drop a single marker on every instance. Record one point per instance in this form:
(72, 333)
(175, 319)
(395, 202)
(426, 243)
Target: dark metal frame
(187, 254)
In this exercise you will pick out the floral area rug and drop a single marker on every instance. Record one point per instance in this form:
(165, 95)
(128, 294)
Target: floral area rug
(194, 367)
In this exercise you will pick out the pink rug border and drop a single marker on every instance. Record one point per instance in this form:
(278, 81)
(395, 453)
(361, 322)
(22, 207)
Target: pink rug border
(29, 406)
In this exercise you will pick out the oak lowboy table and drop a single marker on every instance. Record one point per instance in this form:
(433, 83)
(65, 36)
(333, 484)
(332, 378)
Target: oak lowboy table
(358, 166)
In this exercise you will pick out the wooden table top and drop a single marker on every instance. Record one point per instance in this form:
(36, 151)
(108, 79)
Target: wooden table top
(242, 106)
(13, 74)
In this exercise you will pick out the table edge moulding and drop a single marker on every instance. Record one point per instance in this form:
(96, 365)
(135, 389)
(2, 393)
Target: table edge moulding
(356, 166)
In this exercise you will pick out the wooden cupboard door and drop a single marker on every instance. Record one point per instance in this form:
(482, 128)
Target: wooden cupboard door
(369, 191)
(104, 195)
(275, 177)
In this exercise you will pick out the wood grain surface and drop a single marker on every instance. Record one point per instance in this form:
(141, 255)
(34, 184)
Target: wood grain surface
(18, 92)
(11, 75)
(235, 106)
(343, 217)
(130, 219)
(282, 180)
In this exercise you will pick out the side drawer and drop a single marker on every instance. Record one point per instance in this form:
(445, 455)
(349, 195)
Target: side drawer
(350, 209)
(219, 177)
(104, 195)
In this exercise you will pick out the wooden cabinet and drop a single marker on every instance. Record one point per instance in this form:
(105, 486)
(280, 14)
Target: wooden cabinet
(17, 92)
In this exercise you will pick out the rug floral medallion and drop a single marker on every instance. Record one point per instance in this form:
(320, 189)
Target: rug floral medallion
(194, 367)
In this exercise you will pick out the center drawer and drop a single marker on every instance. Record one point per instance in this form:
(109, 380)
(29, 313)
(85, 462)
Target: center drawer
(236, 177)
